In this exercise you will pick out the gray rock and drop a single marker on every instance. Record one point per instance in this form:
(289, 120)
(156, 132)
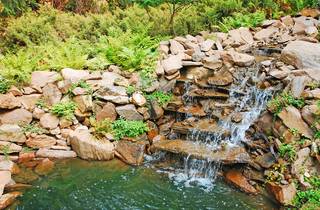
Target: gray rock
(129, 112)
(56, 154)
(49, 121)
(12, 133)
(42, 78)
(51, 94)
(172, 64)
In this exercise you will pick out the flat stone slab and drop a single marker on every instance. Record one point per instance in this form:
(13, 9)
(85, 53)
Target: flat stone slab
(230, 155)
(204, 125)
(207, 93)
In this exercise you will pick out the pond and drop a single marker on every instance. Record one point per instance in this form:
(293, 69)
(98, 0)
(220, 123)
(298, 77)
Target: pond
(78, 184)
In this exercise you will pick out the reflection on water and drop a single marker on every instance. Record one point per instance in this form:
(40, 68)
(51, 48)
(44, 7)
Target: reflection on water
(78, 184)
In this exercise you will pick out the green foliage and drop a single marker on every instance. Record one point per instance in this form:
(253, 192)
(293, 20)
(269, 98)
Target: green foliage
(283, 100)
(317, 135)
(132, 51)
(161, 97)
(82, 84)
(4, 85)
(288, 152)
(314, 181)
(64, 110)
(5, 149)
(126, 128)
(16, 7)
(102, 128)
(130, 89)
(311, 196)
(41, 104)
(33, 128)
(238, 20)
(276, 174)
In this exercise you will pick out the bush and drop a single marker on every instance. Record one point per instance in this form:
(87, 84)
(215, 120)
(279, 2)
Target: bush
(82, 84)
(64, 110)
(102, 128)
(4, 85)
(242, 20)
(288, 152)
(126, 128)
(161, 97)
(16, 7)
(283, 100)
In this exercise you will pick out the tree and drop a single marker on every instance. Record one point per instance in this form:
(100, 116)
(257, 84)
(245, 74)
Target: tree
(175, 7)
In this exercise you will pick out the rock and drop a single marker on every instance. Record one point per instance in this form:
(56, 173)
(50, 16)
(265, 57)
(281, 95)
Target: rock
(29, 90)
(89, 148)
(74, 75)
(115, 94)
(221, 79)
(9, 147)
(196, 73)
(38, 113)
(44, 167)
(172, 64)
(291, 117)
(313, 73)
(212, 62)
(129, 112)
(309, 12)
(40, 141)
(8, 101)
(57, 154)
(29, 101)
(197, 56)
(159, 69)
(206, 45)
(241, 36)
(266, 33)
(237, 117)
(240, 181)
(138, 99)
(279, 74)
(130, 152)
(49, 121)
(303, 162)
(176, 47)
(42, 78)
(14, 91)
(51, 94)
(239, 59)
(5, 178)
(266, 160)
(8, 165)
(308, 113)
(8, 199)
(17, 116)
(284, 194)
(12, 133)
(287, 20)
(107, 112)
(302, 25)
(121, 81)
(156, 111)
(302, 54)
(298, 84)
(84, 102)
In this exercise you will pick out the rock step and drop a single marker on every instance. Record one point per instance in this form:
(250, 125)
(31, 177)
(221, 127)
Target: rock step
(229, 155)
(205, 126)
(195, 110)
(207, 93)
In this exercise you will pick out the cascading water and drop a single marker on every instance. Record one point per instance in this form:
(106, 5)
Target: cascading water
(247, 99)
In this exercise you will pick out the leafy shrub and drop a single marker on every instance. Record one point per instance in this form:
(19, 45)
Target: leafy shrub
(130, 89)
(288, 152)
(82, 84)
(16, 7)
(238, 20)
(283, 100)
(161, 97)
(4, 85)
(102, 128)
(126, 128)
(64, 109)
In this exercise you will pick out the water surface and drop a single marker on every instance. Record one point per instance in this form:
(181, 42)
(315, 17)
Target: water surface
(77, 184)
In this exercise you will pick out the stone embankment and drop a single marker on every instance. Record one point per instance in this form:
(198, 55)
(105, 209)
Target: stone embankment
(199, 71)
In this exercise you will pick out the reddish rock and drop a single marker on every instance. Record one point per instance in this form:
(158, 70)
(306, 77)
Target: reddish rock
(240, 181)
(17, 116)
(107, 112)
(8, 199)
(57, 154)
(130, 152)
(41, 141)
(8, 101)
(41, 78)
(29, 101)
(44, 167)
(26, 157)
(284, 194)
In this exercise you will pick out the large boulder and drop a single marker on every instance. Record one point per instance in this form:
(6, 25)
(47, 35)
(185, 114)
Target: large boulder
(284, 194)
(8, 101)
(115, 94)
(74, 75)
(17, 116)
(302, 54)
(291, 117)
(12, 133)
(89, 148)
(239, 59)
(241, 36)
(41, 78)
(130, 152)
(129, 112)
(51, 94)
(41, 141)
(49, 121)
(172, 64)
